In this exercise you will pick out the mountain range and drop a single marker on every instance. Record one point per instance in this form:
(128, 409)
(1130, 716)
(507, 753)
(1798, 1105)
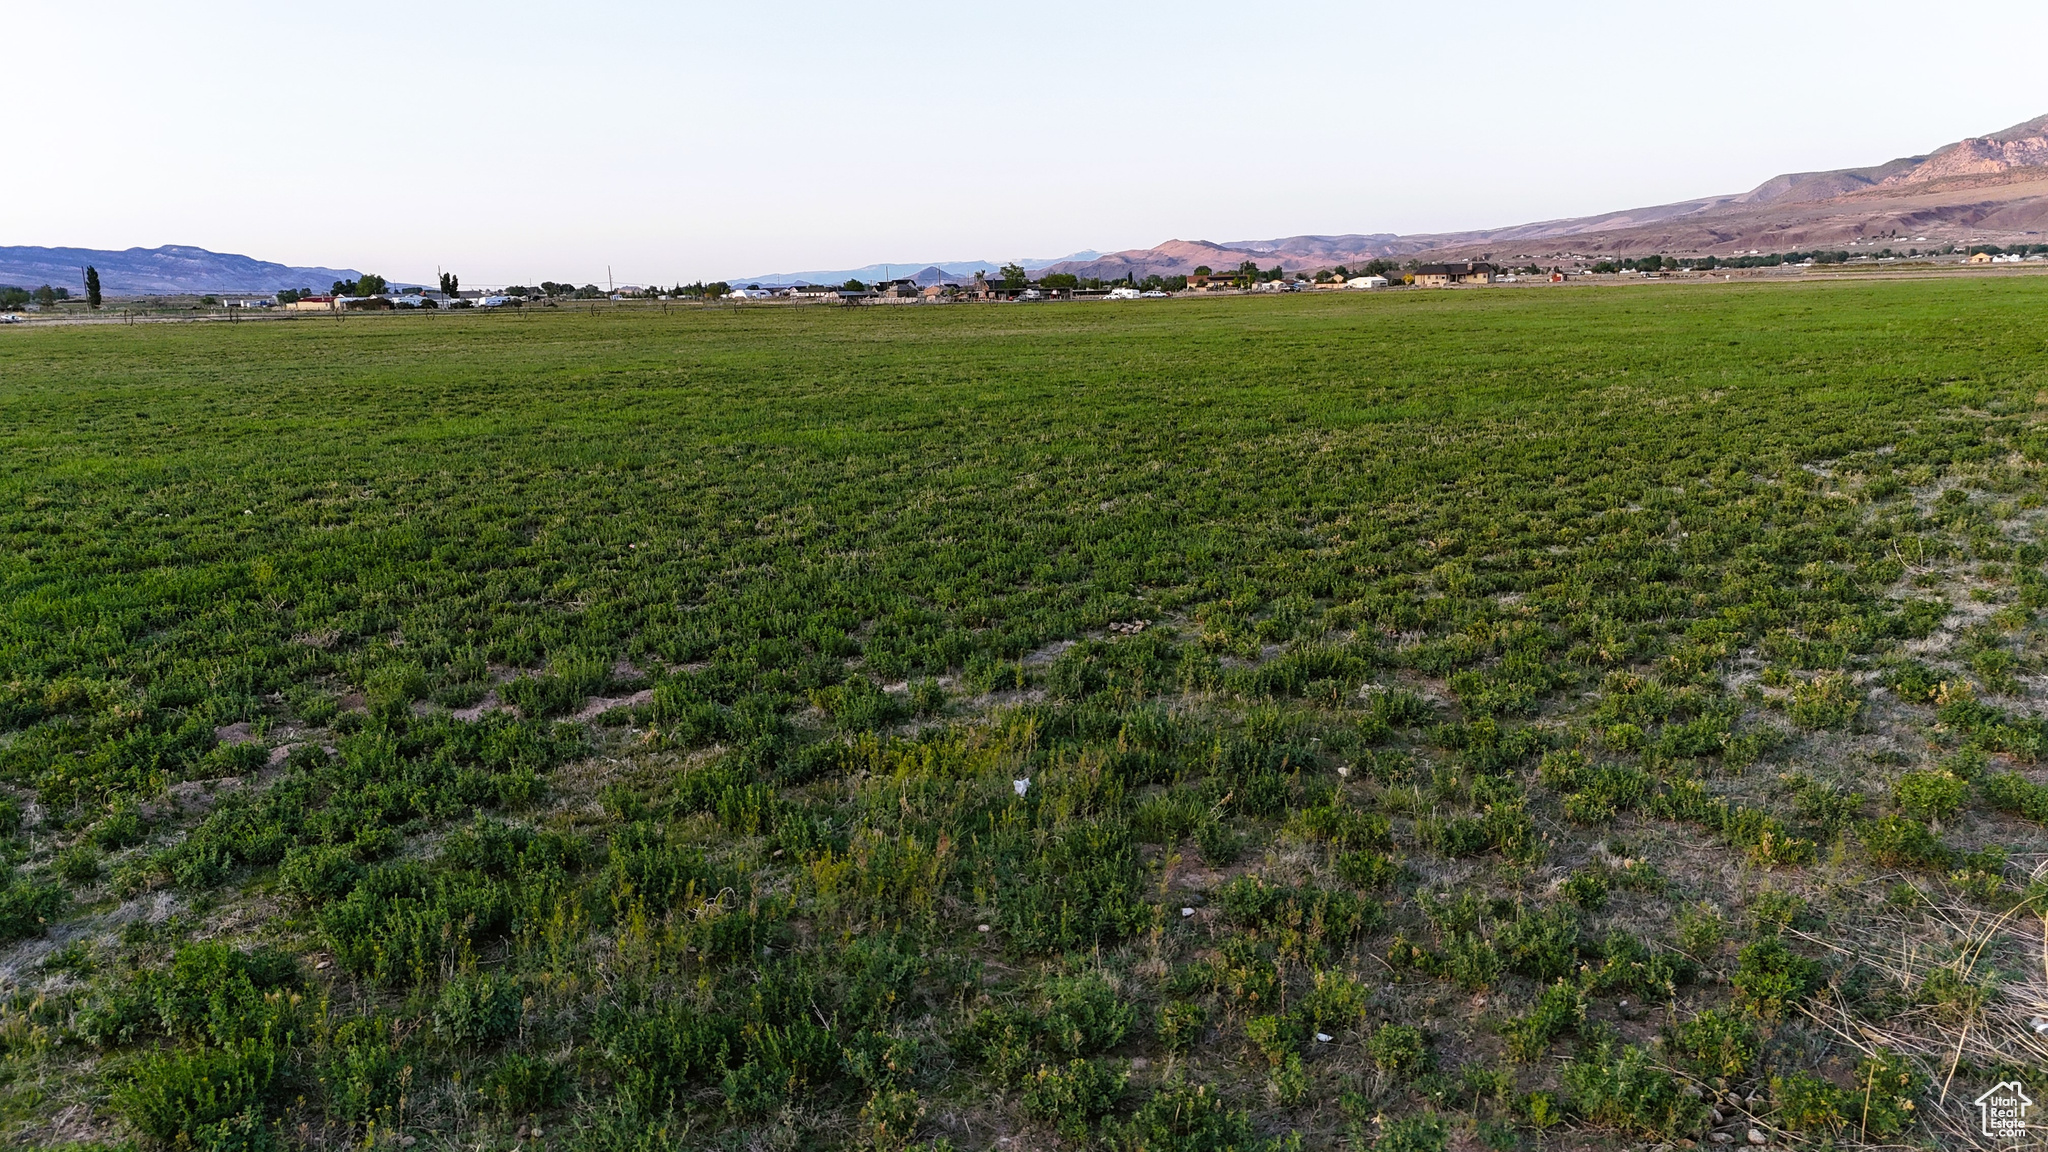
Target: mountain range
(928, 273)
(173, 269)
(1988, 189)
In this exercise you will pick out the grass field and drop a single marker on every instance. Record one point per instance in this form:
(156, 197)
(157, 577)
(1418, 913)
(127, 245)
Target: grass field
(1421, 721)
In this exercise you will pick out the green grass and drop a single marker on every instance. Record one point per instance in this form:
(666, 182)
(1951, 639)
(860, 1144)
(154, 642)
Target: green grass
(1480, 628)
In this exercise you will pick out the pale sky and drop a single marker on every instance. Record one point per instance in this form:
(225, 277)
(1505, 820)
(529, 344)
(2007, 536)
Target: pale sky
(512, 141)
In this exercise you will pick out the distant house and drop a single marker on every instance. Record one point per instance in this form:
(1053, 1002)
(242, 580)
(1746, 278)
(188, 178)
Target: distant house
(812, 292)
(1983, 258)
(311, 304)
(1212, 281)
(1366, 282)
(1446, 275)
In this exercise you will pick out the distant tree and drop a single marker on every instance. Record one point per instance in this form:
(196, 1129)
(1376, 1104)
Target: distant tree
(92, 286)
(1060, 280)
(342, 288)
(1340, 273)
(1247, 273)
(46, 296)
(1014, 276)
(450, 283)
(13, 299)
(291, 296)
(853, 286)
(371, 285)
(1202, 270)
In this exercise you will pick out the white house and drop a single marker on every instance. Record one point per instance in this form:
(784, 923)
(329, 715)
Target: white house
(1366, 282)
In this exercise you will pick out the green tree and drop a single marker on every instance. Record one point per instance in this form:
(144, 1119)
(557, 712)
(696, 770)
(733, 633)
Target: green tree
(46, 296)
(1202, 270)
(450, 283)
(853, 286)
(92, 286)
(1014, 276)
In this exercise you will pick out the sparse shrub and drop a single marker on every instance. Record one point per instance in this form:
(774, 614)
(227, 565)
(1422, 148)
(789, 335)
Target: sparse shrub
(1829, 700)
(1559, 1009)
(1622, 1088)
(1219, 844)
(207, 1097)
(1367, 869)
(1716, 1043)
(1180, 1025)
(1401, 1049)
(1896, 842)
(79, 864)
(1931, 795)
(1167, 819)
(927, 696)
(1082, 1015)
(1770, 977)
(1413, 1134)
(476, 1010)
(1183, 1118)
(27, 907)
(1807, 1103)
(1588, 890)
(519, 1084)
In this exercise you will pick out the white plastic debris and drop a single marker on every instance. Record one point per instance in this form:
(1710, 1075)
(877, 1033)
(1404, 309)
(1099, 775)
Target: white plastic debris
(1324, 1037)
(2040, 1025)
(1344, 770)
(981, 927)
(1186, 912)
(1021, 785)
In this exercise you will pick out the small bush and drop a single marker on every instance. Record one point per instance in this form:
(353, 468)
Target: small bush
(1807, 1104)
(1588, 890)
(186, 1096)
(1561, 1008)
(1770, 977)
(1413, 1134)
(79, 864)
(1828, 700)
(1218, 843)
(1930, 795)
(1180, 1118)
(520, 1084)
(1180, 1025)
(1626, 1091)
(1896, 842)
(473, 1011)
(1715, 1043)
(1072, 1097)
(1401, 1049)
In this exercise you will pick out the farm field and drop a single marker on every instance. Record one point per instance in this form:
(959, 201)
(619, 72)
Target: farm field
(1471, 720)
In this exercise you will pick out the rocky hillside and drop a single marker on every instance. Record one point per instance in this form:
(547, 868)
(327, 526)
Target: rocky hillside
(1992, 189)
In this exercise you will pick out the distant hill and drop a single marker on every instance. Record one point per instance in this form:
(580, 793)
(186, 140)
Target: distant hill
(924, 273)
(170, 270)
(1990, 189)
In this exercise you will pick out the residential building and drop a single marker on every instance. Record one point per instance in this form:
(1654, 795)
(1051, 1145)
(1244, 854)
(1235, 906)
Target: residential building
(311, 304)
(1446, 275)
